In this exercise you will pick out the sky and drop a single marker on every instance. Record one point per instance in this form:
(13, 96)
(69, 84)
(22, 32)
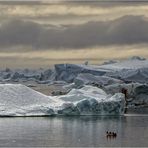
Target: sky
(36, 34)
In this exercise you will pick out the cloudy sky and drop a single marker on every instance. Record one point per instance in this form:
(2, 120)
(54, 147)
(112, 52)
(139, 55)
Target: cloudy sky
(41, 33)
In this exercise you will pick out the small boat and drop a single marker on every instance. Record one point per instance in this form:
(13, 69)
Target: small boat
(112, 134)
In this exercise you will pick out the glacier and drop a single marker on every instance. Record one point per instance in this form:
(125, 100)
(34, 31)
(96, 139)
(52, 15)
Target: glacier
(20, 100)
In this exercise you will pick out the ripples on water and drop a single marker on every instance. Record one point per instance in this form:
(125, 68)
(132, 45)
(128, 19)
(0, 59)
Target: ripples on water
(84, 131)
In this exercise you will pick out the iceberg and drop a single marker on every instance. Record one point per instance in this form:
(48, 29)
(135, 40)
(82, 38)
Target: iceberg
(137, 93)
(19, 100)
(132, 63)
(68, 72)
(88, 79)
(134, 69)
(92, 101)
(131, 75)
(140, 95)
(23, 75)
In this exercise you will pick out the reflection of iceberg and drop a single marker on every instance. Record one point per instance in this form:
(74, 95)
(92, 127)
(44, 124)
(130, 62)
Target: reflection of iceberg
(19, 100)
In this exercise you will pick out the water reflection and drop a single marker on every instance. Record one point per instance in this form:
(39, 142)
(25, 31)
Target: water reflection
(110, 137)
(76, 131)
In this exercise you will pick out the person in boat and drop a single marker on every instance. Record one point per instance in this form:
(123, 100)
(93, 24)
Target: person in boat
(111, 134)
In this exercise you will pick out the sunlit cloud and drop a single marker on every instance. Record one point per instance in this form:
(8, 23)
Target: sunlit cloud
(53, 11)
(40, 35)
(95, 55)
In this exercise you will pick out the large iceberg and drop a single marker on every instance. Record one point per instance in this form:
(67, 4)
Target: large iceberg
(92, 101)
(68, 72)
(19, 100)
(130, 70)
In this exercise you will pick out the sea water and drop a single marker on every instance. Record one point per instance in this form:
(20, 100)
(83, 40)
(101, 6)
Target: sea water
(76, 131)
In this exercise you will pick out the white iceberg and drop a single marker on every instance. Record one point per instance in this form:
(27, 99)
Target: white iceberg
(19, 100)
(132, 63)
(133, 70)
(92, 101)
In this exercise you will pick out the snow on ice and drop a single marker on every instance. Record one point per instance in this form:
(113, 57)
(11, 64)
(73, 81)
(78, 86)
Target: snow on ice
(19, 100)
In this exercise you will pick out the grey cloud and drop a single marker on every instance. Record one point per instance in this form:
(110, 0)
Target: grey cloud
(123, 31)
(20, 2)
(107, 3)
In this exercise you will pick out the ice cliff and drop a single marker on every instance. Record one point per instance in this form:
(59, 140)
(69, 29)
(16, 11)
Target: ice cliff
(137, 94)
(130, 70)
(134, 69)
(19, 100)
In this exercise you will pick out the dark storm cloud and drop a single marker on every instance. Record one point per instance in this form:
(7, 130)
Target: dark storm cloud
(123, 31)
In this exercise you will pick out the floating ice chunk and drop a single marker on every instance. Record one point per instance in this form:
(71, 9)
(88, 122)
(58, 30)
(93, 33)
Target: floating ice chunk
(19, 100)
(92, 101)
(92, 106)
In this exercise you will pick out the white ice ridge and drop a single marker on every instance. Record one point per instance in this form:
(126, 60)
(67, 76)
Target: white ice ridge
(131, 70)
(133, 63)
(19, 100)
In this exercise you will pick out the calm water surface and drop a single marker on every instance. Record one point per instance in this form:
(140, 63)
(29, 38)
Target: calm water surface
(81, 131)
